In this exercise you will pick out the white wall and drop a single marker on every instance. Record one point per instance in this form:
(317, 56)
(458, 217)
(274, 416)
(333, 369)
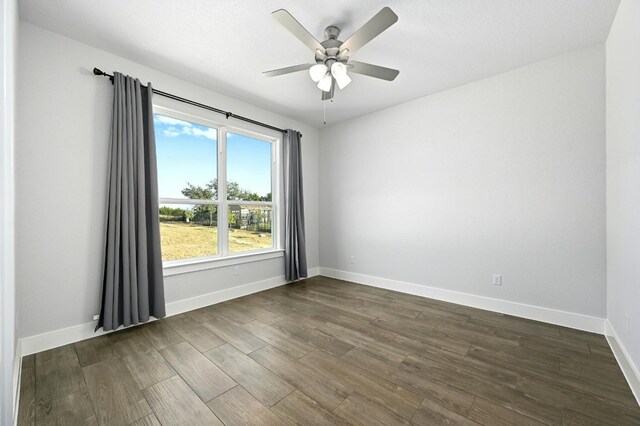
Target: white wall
(504, 175)
(63, 116)
(9, 364)
(623, 178)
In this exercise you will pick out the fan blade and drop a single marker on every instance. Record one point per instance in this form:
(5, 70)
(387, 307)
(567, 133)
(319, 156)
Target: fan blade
(295, 28)
(371, 70)
(287, 70)
(329, 95)
(376, 25)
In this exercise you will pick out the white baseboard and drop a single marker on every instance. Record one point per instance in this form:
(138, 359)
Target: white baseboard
(76, 333)
(629, 369)
(538, 313)
(219, 296)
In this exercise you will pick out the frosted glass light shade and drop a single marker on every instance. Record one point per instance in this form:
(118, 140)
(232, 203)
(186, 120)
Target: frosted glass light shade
(339, 72)
(325, 83)
(318, 71)
(343, 81)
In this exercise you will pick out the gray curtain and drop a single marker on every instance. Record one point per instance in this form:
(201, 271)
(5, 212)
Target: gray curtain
(133, 287)
(295, 256)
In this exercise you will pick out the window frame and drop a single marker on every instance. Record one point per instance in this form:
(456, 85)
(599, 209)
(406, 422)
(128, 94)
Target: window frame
(224, 257)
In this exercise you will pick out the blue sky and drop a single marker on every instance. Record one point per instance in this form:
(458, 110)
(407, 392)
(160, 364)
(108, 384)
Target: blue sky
(187, 152)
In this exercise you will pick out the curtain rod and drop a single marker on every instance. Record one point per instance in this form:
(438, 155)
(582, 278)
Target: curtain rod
(227, 114)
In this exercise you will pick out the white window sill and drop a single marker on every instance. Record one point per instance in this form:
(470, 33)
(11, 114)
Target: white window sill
(184, 267)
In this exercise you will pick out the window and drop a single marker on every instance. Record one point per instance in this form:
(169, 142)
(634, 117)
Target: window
(216, 187)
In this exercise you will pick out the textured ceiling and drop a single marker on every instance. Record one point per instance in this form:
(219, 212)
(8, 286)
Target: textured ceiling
(226, 44)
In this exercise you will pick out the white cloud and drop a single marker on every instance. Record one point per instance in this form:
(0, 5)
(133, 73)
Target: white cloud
(180, 127)
(209, 133)
(172, 132)
(171, 121)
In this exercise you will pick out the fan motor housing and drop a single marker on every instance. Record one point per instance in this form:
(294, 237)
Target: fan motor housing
(331, 46)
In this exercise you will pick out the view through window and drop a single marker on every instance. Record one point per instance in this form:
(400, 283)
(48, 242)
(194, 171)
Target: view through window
(198, 217)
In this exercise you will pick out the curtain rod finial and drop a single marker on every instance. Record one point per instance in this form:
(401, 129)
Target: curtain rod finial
(96, 71)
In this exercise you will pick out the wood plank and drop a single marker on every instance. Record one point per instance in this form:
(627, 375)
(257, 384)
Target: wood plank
(280, 339)
(27, 407)
(517, 324)
(448, 396)
(618, 395)
(198, 336)
(561, 397)
(397, 328)
(479, 368)
(174, 403)
(115, 395)
(228, 312)
(200, 315)
(131, 343)
(417, 344)
(72, 409)
(58, 374)
(206, 380)
(476, 336)
(394, 397)
(240, 338)
(583, 336)
(238, 407)
(150, 420)
(326, 392)
(388, 351)
(386, 310)
(315, 337)
(265, 386)
(28, 361)
(357, 323)
(595, 371)
(488, 413)
(148, 368)
(505, 396)
(573, 418)
(360, 410)
(298, 409)
(160, 334)
(95, 350)
(520, 362)
(305, 319)
(255, 312)
(429, 413)
(327, 300)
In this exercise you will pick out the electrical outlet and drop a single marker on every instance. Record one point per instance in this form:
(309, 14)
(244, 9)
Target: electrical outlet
(352, 259)
(497, 279)
(96, 317)
(627, 322)
(236, 270)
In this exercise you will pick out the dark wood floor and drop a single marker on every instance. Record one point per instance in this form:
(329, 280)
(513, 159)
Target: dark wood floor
(330, 352)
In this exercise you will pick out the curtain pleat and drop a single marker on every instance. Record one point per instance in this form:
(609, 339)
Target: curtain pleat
(295, 257)
(133, 286)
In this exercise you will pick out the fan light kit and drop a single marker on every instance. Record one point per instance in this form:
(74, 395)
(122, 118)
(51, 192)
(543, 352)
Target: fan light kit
(333, 56)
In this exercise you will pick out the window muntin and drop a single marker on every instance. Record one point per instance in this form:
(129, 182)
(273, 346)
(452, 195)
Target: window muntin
(200, 219)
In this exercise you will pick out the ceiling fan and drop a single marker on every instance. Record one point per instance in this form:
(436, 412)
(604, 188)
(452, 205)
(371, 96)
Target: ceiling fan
(332, 56)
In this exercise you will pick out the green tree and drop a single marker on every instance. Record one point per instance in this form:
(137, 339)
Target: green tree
(210, 191)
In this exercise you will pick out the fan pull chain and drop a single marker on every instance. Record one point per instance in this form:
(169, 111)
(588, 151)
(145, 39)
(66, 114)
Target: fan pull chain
(324, 112)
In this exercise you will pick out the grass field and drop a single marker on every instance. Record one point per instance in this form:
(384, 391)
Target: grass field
(184, 240)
